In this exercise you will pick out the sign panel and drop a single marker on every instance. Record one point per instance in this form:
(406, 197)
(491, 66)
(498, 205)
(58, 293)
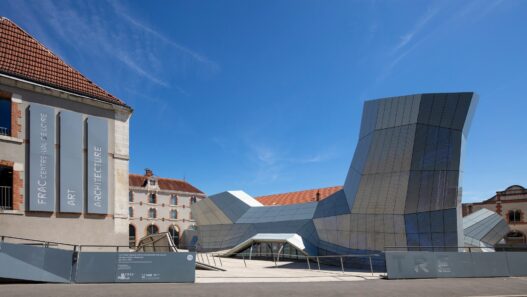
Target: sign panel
(109, 267)
(41, 158)
(97, 165)
(71, 162)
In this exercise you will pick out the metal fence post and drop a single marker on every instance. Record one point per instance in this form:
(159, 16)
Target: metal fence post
(318, 262)
(308, 265)
(342, 264)
(244, 261)
(214, 260)
(371, 266)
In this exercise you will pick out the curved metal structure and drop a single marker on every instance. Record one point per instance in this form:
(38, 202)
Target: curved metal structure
(402, 188)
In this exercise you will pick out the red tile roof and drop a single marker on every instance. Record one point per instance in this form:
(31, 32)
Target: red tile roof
(22, 56)
(298, 197)
(170, 184)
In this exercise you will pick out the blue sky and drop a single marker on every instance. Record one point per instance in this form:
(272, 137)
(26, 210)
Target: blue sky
(266, 96)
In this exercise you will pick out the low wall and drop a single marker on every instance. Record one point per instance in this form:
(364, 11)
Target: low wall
(20, 262)
(455, 264)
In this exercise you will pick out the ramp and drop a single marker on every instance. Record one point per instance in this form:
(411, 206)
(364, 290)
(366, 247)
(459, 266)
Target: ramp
(162, 242)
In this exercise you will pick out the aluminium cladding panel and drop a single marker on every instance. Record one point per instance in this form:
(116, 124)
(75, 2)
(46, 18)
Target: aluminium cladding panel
(41, 158)
(71, 162)
(97, 165)
(113, 267)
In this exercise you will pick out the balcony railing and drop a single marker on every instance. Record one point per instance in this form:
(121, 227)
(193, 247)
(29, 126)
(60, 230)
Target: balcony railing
(4, 131)
(6, 198)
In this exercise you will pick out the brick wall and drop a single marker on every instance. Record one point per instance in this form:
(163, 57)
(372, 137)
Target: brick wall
(18, 185)
(16, 115)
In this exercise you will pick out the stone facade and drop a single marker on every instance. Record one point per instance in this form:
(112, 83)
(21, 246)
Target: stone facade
(81, 228)
(159, 205)
(511, 204)
(35, 84)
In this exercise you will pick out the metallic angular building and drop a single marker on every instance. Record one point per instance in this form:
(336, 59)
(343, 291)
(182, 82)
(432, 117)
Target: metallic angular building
(402, 188)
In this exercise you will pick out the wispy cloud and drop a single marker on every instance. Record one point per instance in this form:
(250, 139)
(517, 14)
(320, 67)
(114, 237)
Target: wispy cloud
(272, 163)
(422, 22)
(125, 14)
(98, 30)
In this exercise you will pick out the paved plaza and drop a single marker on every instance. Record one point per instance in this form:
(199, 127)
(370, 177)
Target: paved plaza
(395, 288)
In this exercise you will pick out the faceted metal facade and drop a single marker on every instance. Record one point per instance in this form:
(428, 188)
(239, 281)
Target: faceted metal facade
(484, 229)
(402, 188)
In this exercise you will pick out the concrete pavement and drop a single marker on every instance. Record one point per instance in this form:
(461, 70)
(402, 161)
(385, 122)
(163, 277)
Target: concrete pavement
(392, 288)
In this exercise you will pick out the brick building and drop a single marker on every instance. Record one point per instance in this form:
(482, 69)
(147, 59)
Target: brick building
(512, 205)
(63, 148)
(158, 205)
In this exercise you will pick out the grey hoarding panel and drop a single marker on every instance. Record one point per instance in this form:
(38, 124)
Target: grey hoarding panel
(71, 162)
(97, 167)
(489, 264)
(34, 263)
(454, 264)
(41, 158)
(411, 265)
(517, 263)
(112, 267)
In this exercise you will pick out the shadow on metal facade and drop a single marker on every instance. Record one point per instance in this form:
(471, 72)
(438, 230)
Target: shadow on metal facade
(402, 188)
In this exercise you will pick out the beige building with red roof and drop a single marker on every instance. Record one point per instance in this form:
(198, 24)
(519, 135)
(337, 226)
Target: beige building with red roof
(158, 204)
(64, 148)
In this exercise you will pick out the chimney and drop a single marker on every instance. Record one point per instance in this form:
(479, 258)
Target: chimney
(148, 172)
(318, 196)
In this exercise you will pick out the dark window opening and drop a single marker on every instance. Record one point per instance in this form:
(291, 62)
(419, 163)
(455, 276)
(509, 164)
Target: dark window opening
(152, 198)
(192, 199)
(152, 229)
(5, 117)
(514, 216)
(6, 187)
(131, 236)
(174, 234)
(152, 213)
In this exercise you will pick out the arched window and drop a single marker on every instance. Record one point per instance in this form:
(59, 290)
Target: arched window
(173, 214)
(192, 199)
(131, 212)
(131, 196)
(173, 200)
(152, 229)
(515, 236)
(152, 213)
(514, 216)
(174, 234)
(131, 236)
(152, 198)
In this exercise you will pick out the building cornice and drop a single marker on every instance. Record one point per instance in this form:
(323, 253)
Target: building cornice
(47, 90)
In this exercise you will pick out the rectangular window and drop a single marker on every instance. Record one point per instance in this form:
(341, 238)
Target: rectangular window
(5, 116)
(6, 187)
